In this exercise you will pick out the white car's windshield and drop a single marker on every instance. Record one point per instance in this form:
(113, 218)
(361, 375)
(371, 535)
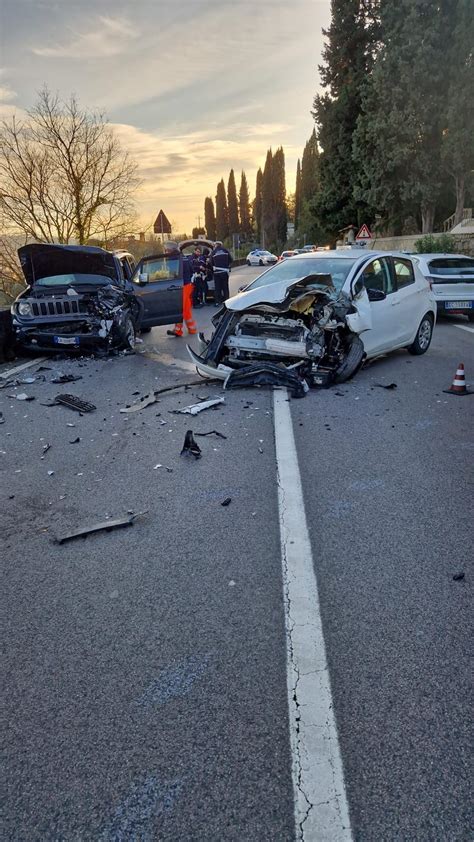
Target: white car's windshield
(295, 269)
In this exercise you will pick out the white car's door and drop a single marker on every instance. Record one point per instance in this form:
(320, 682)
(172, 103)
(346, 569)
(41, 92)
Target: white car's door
(378, 281)
(408, 300)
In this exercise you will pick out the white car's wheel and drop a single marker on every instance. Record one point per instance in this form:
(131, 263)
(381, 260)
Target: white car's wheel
(423, 336)
(248, 263)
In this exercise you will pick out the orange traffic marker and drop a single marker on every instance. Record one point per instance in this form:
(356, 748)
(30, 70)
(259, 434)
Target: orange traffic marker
(458, 386)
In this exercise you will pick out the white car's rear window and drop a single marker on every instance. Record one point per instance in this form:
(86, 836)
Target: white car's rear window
(452, 266)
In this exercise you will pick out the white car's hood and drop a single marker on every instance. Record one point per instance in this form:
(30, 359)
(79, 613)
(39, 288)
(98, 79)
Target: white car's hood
(275, 293)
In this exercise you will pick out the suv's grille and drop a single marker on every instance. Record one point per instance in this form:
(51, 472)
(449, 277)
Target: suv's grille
(58, 307)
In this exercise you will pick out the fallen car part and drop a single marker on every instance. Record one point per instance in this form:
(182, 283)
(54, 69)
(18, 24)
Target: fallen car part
(72, 402)
(227, 501)
(23, 397)
(212, 433)
(267, 374)
(75, 441)
(2, 420)
(104, 526)
(196, 408)
(190, 447)
(389, 386)
(66, 378)
(148, 400)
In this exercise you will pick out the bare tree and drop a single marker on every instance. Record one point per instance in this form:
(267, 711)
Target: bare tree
(63, 174)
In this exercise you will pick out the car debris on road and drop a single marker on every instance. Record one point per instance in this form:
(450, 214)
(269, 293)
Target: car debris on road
(190, 446)
(104, 526)
(196, 408)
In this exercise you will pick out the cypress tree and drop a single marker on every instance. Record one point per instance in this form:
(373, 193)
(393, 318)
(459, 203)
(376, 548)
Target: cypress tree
(310, 169)
(280, 197)
(269, 216)
(244, 208)
(298, 193)
(232, 205)
(258, 203)
(209, 218)
(222, 214)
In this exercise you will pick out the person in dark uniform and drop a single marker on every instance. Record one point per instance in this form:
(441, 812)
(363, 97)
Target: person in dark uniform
(221, 262)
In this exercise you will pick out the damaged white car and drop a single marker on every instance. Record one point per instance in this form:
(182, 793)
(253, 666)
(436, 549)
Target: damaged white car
(313, 319)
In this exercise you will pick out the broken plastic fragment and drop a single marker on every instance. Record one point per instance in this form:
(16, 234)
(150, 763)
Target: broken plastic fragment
(212, 433)
(73, 402)
(66, 378)
(196, 408)
(227, 501)
(191, 447)
(22, 397)
(146, 401)
(458, 577)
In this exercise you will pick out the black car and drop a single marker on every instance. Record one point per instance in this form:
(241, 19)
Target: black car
(82, 297)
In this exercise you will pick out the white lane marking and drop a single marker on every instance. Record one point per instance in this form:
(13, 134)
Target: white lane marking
(321, 810)
(5, 375)
(465, 327)
(167, 359)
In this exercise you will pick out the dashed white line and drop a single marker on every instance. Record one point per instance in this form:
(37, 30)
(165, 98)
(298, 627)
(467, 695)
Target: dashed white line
(321, 809)
(5, 375)
(465, 327)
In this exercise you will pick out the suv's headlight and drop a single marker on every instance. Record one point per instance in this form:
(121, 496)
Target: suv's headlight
(24, 308)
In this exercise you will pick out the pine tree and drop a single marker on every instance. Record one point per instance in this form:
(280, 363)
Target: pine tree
(232, 205)
(258, 204)
(244, 208)
(397, 145)
(222, 214)
(348, 59)
(297, 193)
(457, 148)
(210, 218)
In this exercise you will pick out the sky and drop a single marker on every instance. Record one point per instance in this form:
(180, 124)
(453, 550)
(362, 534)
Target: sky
(193, 88)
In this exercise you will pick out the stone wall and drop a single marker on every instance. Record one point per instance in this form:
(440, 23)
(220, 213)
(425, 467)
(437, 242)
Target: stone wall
(464, 243)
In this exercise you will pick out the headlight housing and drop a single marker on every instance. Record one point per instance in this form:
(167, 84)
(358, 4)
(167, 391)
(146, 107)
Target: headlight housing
(24, 308)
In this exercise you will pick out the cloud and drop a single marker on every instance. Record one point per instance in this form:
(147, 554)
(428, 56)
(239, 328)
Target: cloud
(6, 94)
(110, 37)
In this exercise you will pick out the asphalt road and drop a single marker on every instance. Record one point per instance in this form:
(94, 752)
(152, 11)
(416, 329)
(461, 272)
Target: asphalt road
(145, 669)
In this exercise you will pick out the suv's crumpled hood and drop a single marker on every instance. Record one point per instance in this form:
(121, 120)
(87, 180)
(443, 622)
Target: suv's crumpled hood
(40, 260)
(278, 292)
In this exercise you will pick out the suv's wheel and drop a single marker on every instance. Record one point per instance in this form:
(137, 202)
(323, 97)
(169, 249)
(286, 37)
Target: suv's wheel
(352, 361)
(128, 333)
(423, 336)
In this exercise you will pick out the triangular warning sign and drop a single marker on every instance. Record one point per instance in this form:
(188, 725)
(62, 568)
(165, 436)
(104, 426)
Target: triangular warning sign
(364, 233)
(162, 225)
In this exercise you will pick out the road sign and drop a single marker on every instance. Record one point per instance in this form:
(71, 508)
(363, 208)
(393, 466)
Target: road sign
(162, 225)
(364, 233)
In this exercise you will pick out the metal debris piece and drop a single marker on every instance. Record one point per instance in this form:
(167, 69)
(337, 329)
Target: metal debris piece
(227, 501)
(212, 433)
(66, 378)
(191, 447)
(106, 526)
(148, 400)
(196, 408)
(73, 402)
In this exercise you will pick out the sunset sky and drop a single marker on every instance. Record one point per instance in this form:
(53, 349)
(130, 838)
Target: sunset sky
(193, 87)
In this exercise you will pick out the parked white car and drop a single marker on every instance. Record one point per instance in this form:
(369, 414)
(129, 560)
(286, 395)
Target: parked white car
(451, 277)
(317, 316)
(260, 257)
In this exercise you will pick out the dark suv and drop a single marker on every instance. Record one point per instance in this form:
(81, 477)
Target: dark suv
(82, 297)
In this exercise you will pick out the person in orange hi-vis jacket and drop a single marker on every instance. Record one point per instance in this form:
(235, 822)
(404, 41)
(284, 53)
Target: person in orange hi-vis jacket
(172, 249)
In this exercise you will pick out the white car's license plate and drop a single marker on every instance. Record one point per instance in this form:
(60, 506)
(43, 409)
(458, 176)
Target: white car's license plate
(458, 305)
(66, 340)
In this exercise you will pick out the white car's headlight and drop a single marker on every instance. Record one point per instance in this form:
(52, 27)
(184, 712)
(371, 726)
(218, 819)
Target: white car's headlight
(24, 308)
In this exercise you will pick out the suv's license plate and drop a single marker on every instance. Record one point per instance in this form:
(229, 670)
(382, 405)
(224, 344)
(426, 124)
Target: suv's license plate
(458, 305)
(66, 340)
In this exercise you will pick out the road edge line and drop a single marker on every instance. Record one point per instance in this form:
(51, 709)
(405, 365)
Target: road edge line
(5, 375)
(321, 808)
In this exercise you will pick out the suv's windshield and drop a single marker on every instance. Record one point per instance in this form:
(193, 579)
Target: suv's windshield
(74, 279)
(294, 270)
(452, 266)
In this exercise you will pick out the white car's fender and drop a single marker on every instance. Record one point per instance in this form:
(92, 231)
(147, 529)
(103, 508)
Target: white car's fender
(362, 319)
